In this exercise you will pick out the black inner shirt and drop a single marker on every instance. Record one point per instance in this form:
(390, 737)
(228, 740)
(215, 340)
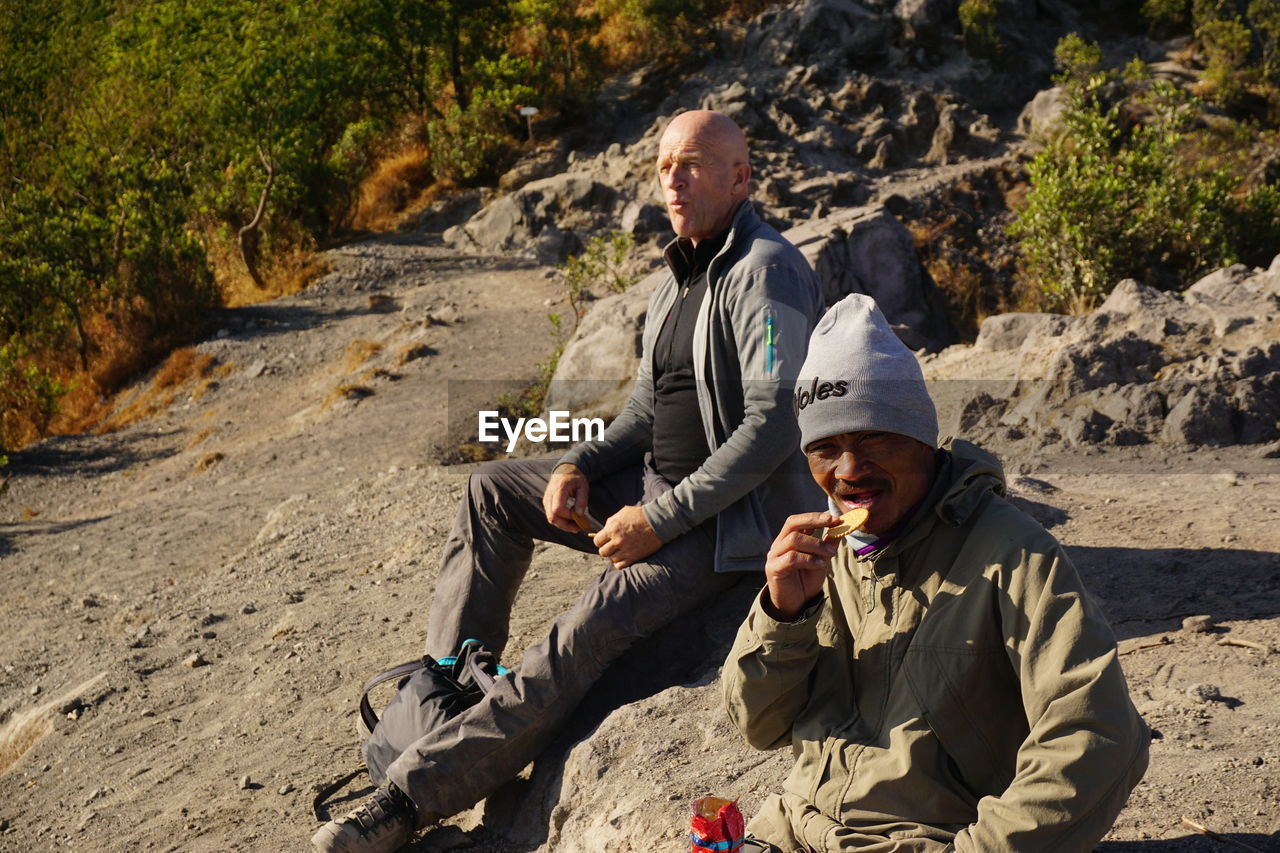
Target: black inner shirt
(679, 443)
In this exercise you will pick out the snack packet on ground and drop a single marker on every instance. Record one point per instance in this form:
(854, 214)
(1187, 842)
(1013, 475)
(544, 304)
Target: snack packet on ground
(717, 826)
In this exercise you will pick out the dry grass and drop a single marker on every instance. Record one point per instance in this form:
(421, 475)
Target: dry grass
(201, 436)
(284, 276)
(358, 352)
(381, 303)
(345, 391)
(21, 733)
(25, 729)
(399, 185)
(412, 352)
(183, 367)
(209, 460)
(122, 340)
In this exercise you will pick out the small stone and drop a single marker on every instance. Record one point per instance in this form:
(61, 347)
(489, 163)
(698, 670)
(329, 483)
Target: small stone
(1258, 761)
(195, 660)
(1204, 692)
(46, 768)
(248, 608)
(74, 714)
(286, 788)
(244, 783)
(93, 795)
(209, 635)
(147, 712)
(35, 690)
(1198, 624)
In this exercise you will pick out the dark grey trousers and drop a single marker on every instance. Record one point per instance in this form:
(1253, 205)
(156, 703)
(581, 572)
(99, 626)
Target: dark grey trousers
(483, 564)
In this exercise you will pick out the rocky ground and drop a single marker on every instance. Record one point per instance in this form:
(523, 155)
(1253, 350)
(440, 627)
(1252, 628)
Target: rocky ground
(192, 602)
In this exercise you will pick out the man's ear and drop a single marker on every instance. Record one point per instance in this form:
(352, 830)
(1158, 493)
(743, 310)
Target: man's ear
(741, 178)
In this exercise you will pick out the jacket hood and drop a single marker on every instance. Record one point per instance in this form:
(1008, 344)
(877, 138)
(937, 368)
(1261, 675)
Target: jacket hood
(972, 473)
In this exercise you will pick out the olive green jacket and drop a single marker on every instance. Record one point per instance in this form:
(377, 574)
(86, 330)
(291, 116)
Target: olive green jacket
(959, 687)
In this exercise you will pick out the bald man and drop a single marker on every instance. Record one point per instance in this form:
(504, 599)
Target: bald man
(683, 492)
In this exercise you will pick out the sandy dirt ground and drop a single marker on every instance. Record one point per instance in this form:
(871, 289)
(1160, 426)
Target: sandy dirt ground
(191, 603)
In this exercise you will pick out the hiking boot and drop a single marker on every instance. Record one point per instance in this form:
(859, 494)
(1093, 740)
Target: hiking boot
(383, 823)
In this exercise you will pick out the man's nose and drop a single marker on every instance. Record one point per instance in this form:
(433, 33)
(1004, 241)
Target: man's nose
(675, 179)
(850, 464)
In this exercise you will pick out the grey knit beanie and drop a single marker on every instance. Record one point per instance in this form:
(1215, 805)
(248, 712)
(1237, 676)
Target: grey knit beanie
(858, 376)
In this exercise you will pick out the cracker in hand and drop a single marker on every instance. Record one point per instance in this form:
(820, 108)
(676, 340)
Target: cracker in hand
(849, 522)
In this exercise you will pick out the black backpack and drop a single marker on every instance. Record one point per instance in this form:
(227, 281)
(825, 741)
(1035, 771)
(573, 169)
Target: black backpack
(430, 692)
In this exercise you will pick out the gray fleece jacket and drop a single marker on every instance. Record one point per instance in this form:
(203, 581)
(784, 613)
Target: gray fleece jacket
(749, 342)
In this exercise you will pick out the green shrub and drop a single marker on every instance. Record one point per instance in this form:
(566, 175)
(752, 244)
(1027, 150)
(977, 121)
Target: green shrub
(1077, 60)
(1110, 201)
(978, 26)
(600, 264)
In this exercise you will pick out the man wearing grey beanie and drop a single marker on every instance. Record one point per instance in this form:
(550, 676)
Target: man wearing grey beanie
(940, 673)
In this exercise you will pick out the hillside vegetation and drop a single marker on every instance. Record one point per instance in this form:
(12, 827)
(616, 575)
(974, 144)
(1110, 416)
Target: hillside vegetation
(160, 157)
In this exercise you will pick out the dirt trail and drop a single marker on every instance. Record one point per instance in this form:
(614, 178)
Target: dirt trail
(237, 565)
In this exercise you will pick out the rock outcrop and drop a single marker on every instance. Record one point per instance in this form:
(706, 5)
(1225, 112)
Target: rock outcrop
(822, 90)
(594, 375)
(866, 250)
(1147, 366)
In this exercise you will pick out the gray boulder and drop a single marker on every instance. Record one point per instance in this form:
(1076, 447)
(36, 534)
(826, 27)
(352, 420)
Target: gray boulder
(1202, 416)
(866, 250)
(1010, 331)
(449, 211)
(841, 30)
(1041, 118)
(594, 375)
(567, 202)
(542, 163)
(926, 22)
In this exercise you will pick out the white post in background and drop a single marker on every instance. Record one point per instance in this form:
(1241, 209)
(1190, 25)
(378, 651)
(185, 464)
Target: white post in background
(529, 113)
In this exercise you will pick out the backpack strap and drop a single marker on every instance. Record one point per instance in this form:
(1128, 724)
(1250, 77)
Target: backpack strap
(327, 790)
(482, 679)
(366, 710)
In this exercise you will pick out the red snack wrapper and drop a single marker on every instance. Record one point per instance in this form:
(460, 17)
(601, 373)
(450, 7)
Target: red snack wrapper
(717, 826)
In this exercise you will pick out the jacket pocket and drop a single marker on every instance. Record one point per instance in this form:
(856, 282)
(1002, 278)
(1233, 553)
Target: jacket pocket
(975, 737)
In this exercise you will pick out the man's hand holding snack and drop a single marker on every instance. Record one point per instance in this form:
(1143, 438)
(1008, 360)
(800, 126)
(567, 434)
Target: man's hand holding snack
(798, 563)
(565, 497)
(627, 537)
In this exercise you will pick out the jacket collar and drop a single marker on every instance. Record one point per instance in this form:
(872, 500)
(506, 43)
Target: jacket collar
(966, 473)
(745, 220)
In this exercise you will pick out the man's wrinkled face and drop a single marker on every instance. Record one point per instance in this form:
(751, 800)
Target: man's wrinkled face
(701, 184)
(884, 472)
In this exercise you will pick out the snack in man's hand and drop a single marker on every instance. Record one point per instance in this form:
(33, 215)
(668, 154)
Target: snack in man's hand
(583, 522)
(849, 522)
